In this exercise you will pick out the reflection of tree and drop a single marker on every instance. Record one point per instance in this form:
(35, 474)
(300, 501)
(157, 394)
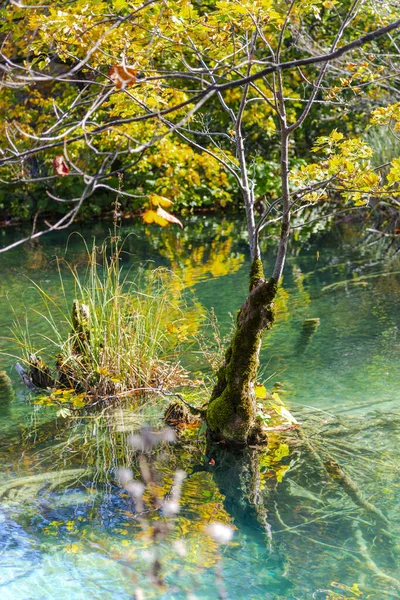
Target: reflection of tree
(196, 260)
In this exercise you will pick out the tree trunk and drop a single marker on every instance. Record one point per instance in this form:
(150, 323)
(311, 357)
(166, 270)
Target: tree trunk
(231, 413)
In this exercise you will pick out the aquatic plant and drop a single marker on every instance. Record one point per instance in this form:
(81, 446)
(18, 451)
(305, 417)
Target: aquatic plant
(123, 337)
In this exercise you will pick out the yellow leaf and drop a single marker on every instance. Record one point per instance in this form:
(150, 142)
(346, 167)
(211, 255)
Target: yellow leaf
(336, 135)
(281, 452)
(260, 391)
(72, 548)
(160, 200)
(78, 401)
(162, 214)
(103, 371)
(151, 216)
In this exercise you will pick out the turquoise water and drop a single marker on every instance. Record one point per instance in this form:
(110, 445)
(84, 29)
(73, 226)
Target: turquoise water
(305, 538)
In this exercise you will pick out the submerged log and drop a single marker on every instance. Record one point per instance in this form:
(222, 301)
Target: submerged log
(26, 488)
(353, 491)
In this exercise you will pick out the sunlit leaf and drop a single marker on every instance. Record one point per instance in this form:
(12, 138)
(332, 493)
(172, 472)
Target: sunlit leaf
(151, 216)
(116, 379)
(260, 391)
(288, 416)
(281, 452)
(168, 217)
(63, 413)
(79, 401)
(160, 201)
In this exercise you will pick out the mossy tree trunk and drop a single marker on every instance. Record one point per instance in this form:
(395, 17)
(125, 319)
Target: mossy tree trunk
(231, 413)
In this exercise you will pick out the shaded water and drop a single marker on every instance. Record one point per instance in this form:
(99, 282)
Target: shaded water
(305, 539)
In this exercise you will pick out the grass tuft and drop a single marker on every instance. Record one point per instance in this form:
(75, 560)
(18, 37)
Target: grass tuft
(119, 337)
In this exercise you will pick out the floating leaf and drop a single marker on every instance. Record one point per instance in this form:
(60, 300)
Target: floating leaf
(122, 76)
(60, 166)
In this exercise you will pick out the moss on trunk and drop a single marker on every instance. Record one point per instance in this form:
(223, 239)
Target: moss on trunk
(232, 408)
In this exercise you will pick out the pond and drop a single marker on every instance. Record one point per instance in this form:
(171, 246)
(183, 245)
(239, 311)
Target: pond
(307, 537)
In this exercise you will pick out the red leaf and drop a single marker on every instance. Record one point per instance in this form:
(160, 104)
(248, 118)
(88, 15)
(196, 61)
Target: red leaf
(60, 166)
(122, 77)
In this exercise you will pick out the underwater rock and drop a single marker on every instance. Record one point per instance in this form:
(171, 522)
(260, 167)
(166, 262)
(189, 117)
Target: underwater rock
(6, 390)
(308, 329)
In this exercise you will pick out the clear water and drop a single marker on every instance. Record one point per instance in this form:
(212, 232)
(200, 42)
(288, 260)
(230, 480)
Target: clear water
(306, 538)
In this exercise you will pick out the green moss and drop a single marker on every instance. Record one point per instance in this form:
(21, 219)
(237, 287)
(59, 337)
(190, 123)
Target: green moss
(219, 413)
(232, 409)
(256, 273)
(6, 388)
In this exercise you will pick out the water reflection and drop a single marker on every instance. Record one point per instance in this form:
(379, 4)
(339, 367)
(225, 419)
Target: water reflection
(302, 537)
